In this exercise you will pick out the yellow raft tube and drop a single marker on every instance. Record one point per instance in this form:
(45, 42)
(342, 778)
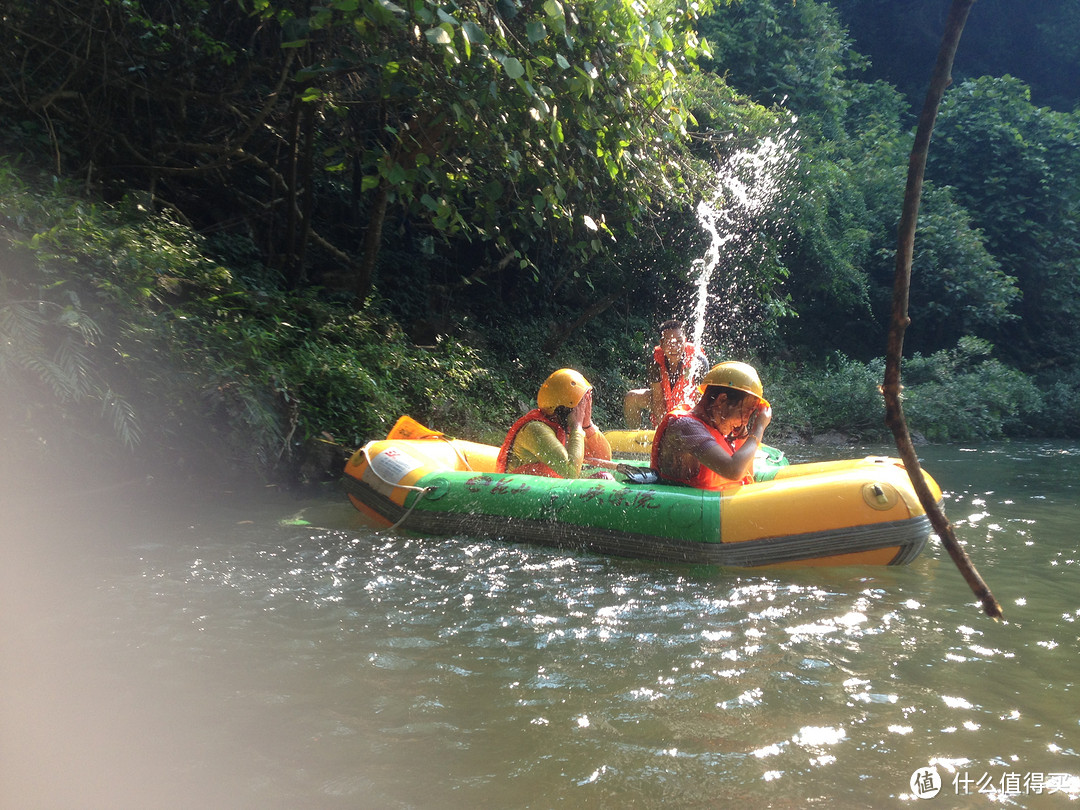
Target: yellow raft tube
(851, 512)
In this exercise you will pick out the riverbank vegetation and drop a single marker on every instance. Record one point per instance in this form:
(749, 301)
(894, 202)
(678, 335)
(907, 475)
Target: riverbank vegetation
(248, 235)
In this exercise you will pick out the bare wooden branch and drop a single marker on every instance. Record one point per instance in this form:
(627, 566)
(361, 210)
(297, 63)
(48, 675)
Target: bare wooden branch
(894, 412)
(562, 332)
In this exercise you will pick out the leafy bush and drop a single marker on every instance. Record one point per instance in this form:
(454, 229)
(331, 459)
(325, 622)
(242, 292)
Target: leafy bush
(844, 397)
(123, 307)
(1059, 417)
(961, 394)
(48, 339)
(964, 394)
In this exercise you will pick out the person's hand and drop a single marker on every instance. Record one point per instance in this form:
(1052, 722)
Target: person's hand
(762, 415)
(581, 414)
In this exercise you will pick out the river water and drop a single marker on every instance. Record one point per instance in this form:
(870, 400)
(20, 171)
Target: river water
(163, 651)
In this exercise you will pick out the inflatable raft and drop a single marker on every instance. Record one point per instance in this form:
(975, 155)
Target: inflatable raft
(852, 512)
(630, 444)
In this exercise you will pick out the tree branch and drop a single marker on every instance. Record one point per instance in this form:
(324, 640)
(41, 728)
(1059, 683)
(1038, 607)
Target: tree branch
(561, 333)
(894, 412)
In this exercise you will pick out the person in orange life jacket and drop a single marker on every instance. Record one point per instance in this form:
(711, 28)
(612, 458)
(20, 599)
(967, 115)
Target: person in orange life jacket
(671, 377)
(554, 438)
(712, 446)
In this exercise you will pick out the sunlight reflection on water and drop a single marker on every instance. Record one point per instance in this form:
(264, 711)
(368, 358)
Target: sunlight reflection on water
(323, 666)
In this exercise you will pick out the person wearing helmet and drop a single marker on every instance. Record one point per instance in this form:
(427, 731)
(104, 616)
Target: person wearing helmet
(675, 364)
(712, 446)
(554, 438)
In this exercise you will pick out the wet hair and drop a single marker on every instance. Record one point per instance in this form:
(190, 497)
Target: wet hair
(674, 323)
(735, 396)
(560, 414)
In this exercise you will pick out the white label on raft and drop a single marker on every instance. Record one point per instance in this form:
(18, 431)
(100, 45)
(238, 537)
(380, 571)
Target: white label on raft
(392, 465)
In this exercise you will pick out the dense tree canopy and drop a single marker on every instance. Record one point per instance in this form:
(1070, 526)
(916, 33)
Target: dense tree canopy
(1037, 41)
(477, 191)
(1014, 167)
(532, 131)
(843, 208)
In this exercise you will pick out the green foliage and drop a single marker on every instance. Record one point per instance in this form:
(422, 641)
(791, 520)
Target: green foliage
(1060, 414)
(784, 53)
(48, 341)
(960, 394)
(964, 394)
(1015, 168)
(797, 55)
(123, 308)
(842, 396)
(514, 125)
(957, 286)
(359, 373)
(533, 146)
(843, 207)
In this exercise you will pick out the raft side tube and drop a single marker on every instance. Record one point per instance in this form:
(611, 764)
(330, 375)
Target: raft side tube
(816, 503)
(391, 466)
(893, 543)
(655, 511)
(833, 513)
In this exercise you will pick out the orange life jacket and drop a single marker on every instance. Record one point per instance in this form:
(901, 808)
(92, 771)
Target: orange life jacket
(535, 467)
(704, 478)
(680, 391)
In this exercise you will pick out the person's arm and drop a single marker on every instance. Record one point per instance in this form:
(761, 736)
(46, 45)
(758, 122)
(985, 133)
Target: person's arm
(596, 444)
(657, 406)
(537, 442)
(739, 464)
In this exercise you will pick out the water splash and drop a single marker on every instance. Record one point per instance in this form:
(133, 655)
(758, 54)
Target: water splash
(748, 187)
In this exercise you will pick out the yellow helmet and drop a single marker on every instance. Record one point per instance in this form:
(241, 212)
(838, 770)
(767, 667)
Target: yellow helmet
(564, 387)
(740, 376)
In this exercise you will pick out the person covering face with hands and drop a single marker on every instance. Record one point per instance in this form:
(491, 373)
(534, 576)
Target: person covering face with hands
(712, 446)
(554, 438)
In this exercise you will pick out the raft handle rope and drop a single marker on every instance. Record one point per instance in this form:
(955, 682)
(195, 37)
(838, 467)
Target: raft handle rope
(457, 450)
(422, 490)
(443, 437)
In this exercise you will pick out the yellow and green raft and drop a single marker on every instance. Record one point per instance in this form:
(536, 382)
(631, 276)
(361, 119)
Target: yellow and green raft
(851, 512)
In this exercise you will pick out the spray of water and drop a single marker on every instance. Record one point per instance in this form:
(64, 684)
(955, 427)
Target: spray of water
(748, 186)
